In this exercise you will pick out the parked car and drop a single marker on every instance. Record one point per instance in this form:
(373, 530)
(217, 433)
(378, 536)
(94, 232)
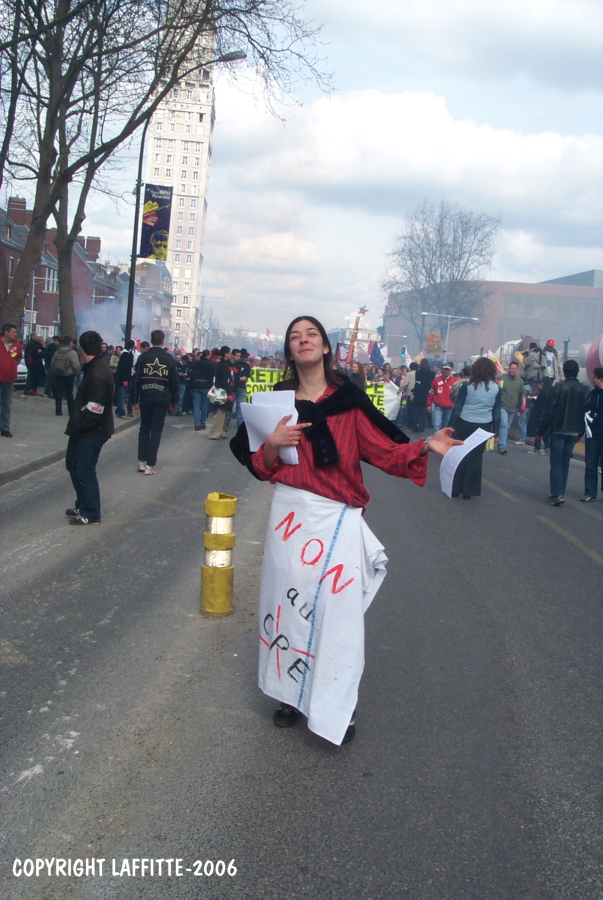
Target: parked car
(21, 375)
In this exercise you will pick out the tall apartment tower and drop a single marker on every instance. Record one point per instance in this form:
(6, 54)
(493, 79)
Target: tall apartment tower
(178, 153)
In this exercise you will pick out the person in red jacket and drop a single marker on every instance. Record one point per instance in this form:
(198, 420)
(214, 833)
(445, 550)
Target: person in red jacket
(11, 354)
(439, 396)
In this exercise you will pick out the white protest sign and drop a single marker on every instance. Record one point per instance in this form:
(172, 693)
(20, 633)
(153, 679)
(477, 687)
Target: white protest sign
(451, 461)
(322, 568)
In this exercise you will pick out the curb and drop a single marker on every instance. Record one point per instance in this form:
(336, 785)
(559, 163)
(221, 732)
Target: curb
(43, 461)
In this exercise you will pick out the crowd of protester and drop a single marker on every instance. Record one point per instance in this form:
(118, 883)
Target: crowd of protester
(214, 381)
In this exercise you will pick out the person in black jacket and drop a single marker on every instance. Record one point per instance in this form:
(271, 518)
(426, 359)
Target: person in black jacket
(564, 417)
(225, 376)
(419, 397)
(34, 360)
(90, 427)
(593, 445)
(155, 391)
(123, 379)
(201, 374)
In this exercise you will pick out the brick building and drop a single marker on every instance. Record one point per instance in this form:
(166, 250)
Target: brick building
(94, 283)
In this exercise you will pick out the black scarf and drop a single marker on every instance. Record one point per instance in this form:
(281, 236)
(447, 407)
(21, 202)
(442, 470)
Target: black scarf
(324, 449)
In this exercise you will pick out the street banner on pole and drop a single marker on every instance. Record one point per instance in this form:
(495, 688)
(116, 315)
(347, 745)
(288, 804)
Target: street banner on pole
(155, 230)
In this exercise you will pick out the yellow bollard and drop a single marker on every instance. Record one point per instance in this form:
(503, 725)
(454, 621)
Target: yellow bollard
(217, 572)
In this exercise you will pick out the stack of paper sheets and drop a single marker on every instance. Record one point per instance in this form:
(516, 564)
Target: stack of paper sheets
(263, 415)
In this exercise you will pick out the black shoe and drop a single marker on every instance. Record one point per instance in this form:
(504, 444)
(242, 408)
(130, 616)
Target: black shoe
(5, 433)
(455, 495)
(558, 501)
(73, 511)
(82, 520)
(502, 451)
(286, 716)
(349, 735)
(466, 496)
(588, 499)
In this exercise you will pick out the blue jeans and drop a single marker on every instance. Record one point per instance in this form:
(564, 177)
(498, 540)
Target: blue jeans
(562, 447)
(181, 391)
(80, 462)
(121, 396)
(522, 421)
(200, 405)
(6, 395)
(240, 396)
(439, 417)
(506, 417)
(593, 452)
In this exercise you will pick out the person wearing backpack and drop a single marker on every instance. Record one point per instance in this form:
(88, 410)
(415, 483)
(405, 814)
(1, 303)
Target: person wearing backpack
(65, 366)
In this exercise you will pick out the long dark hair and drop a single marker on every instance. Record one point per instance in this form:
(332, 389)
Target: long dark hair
(483, 369)
(332, 376)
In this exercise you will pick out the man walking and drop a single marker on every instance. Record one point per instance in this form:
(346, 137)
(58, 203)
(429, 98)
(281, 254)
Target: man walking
(593, 444)
(123, 379)
(10, 357)
(201, 379)
(441, 402)
(513, 399)
(90, 427)
(65, 366)
(154, 392)
(564, 416)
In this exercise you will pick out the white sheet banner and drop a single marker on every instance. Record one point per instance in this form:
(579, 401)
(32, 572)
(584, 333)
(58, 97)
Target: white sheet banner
(322, 568)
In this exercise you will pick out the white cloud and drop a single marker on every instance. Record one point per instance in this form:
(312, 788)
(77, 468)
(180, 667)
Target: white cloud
(555, 42)
(301, 215)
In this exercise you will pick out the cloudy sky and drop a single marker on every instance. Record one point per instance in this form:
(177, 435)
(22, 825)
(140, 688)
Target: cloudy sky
(496, 106)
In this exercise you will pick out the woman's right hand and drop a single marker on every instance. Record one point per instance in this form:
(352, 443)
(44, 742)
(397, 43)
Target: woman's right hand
(283, 436)
(286, 435)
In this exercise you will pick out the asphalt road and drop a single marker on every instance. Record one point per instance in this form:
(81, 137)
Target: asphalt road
(133, 727)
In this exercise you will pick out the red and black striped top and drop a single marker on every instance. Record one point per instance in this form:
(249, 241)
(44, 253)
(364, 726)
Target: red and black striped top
(356, 439)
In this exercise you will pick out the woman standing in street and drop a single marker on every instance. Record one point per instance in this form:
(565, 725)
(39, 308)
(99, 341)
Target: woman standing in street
(322, 565)
(477, 406)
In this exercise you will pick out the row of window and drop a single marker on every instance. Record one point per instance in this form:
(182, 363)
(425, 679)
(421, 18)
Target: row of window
(184, 161)
(168, 174)
(189, 257)
(185, 144)
(187, 127)
(51, 276)
(174, 115)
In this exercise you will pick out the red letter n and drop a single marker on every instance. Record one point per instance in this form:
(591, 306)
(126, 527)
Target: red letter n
(287, 522)
(337, 572)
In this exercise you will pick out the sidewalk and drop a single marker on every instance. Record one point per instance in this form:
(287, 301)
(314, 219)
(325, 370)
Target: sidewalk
(39, 437)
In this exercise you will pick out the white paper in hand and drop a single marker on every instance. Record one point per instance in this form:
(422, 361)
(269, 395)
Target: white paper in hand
(262, 417)
(452, 459)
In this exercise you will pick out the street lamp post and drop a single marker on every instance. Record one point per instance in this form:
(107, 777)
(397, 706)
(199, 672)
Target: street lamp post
(445, 316)
(233, 56)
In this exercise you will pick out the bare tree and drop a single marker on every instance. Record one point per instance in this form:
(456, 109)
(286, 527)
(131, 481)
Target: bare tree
(438, 263)
(76, 121)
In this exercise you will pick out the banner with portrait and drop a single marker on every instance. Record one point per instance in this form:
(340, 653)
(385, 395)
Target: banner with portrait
(155, 231)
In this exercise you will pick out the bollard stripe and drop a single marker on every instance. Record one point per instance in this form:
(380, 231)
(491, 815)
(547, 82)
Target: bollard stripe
(219, 524)
(218, 559)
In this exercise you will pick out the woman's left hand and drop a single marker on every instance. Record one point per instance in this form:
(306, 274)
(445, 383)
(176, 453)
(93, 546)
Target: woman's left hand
(442, 441)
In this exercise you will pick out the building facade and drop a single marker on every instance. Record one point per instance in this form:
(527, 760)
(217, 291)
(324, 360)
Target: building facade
(98, 292)
(178, 154)
(564, 309)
